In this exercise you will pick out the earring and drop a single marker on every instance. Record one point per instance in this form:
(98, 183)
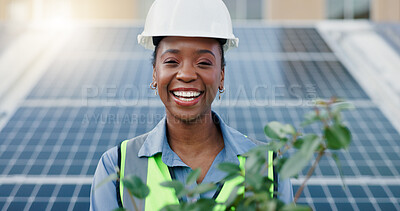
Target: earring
(220, 92)
(153, 86)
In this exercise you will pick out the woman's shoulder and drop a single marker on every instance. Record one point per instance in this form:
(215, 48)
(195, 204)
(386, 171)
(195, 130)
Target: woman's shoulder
(255, 141)
(111, 155)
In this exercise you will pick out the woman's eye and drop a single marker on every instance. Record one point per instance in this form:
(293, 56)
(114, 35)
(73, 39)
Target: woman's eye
(205, 63)
(170, 62)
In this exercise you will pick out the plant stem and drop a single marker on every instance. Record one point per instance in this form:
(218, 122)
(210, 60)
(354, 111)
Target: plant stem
(133, 201)
(287, 147)
(309, 173)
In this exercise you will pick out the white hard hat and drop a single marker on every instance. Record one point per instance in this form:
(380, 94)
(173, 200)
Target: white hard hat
(188, 18)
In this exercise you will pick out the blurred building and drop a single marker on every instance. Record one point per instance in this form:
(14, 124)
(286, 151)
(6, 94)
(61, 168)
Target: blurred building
(377, 10)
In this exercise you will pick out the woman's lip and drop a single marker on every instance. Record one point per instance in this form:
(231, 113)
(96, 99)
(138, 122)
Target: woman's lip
(186, 89)
(186, 103)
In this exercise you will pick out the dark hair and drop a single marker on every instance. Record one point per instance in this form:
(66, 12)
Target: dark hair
(157, 40)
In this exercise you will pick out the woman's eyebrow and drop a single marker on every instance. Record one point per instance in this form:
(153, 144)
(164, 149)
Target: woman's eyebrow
(174, 51)
(203, 51)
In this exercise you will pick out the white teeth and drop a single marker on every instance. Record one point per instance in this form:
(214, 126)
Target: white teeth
(187, 94)
(186, 99)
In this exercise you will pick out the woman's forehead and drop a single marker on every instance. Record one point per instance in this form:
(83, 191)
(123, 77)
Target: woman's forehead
(181, 44)
(187, 41)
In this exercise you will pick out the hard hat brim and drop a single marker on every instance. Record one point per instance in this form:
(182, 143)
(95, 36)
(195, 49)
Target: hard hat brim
(147, 41)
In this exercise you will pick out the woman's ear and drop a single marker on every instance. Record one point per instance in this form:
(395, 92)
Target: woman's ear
(222, 77)
(154, 74)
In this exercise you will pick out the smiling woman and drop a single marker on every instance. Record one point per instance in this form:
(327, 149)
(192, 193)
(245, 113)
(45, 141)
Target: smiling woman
(188, 73)
(189, 39)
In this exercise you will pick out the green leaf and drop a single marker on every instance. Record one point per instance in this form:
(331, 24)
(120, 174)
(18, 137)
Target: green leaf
(254, 163)
(337, 137)
(265, 203)
(310, 118)
(339, 165)
(275, 145)
(275, 130)
(111, 177)
(172, 207)
(203, 188)
(298, 143)
(258, 198)
(254, 180)
(280, 162)
(176, 185)
(202, 204)
(136, 186)
(119, 209)
(230, 168)
(193, 176)
(300, 159)
(307, 137)
(289, 129)
(338, 107)
(259, 150)
(230, 176)
(295, 207)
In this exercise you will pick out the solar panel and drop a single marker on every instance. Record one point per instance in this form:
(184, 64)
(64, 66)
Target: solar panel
(44, 196)
(353, 197)
(391, 33)
(278, 39)
(274, 75)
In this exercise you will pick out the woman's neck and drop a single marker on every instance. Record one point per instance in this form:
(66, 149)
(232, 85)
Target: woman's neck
(197, 142)
(201, 133)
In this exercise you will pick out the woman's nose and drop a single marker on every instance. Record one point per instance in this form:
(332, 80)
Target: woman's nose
(187, 73)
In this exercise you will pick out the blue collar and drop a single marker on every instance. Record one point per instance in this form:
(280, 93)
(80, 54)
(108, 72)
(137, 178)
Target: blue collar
(156, 142)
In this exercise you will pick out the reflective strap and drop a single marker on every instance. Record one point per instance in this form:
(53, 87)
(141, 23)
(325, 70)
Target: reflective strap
(271, 171)
(157, 172)
(231, 184)
(122, 170)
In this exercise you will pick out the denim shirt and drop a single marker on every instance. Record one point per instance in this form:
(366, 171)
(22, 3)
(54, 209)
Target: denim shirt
(104, 198)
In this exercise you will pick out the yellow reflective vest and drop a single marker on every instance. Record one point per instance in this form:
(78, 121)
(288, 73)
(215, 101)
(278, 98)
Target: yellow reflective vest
(153, 171)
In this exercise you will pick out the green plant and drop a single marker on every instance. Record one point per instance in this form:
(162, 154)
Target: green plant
(335, 136)
(257, 192)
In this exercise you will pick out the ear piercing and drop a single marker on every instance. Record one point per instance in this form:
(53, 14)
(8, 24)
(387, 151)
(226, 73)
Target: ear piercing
(153, 86)
(220, 92)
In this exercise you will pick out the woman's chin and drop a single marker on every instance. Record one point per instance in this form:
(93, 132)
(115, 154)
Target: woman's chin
(192, 116)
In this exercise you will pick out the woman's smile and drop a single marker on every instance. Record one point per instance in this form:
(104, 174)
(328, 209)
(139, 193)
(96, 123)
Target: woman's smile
(186, 96)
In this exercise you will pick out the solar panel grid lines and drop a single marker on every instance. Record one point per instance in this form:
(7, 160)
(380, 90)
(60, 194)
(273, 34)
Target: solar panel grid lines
(20, 149)
(299, 45)
(42, 141)
(47, 197)
(354, 197)
(329, 198)
(373, 137)
(340, 75)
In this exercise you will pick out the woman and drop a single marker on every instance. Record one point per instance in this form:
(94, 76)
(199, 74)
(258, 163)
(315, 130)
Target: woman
(189, 39)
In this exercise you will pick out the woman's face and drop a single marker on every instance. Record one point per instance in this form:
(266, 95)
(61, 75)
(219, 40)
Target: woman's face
(188, 72)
